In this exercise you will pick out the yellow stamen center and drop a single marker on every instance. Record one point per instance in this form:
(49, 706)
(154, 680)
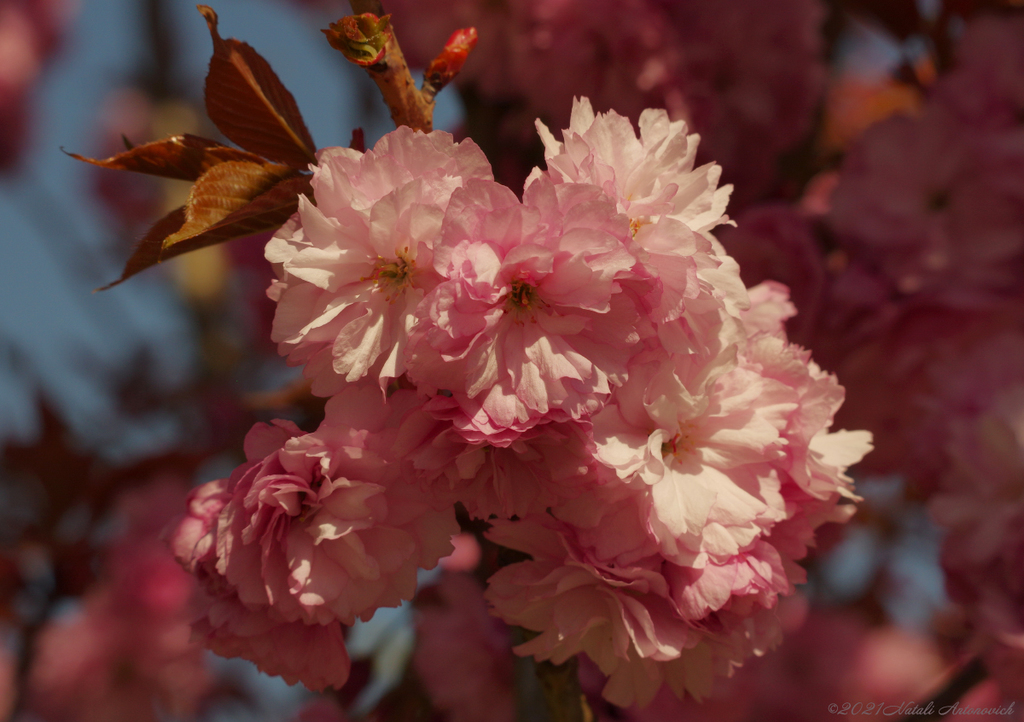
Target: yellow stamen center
(394, 276)
(682, 444)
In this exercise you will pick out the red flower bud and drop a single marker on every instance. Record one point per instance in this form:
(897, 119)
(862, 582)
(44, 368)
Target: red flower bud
(450, 61)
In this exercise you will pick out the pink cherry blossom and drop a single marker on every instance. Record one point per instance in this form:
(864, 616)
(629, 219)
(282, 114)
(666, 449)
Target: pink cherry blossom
(324, 527)
(529, 323)
(353, 266)
(621, 618)
(548, 463)
(314, 529)
(671, 205)
(648, 176)
(312, 654)
(717, 472)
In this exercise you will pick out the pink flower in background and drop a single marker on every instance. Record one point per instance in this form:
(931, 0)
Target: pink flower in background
(934, 207)
(1006, 665)
(353, 267)
(29, 33)
(752, 75)
(463, 654)
(126, 656)
(621, 55)
(320, 710)
(20, 65)
(628, 64)
(986, 88)
(529, 323)
(745, 75)
(466, 556)
(828, 656)
(774, 242)
(980, 503)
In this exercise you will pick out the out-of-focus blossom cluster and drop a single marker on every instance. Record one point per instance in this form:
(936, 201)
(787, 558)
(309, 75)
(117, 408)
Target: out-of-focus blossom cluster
(29, 34)
(930, 213)
(582, 369)
(746, 75)
(124, 655)
(910, 262)
(830, 660)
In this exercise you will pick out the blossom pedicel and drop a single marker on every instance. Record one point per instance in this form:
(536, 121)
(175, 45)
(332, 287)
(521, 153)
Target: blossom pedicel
(582, 368)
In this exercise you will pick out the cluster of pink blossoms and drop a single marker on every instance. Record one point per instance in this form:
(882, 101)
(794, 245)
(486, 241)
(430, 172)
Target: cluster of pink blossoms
(583, 368)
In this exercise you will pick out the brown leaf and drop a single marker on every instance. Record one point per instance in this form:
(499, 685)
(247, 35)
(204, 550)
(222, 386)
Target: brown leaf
(147, 251)
(249, 104)
(185, 157)
(222, 190)
(266, 212)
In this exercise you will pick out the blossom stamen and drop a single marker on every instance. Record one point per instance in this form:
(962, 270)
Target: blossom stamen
(521, 298)
(636, 224)
(394, 276)
(683, 444)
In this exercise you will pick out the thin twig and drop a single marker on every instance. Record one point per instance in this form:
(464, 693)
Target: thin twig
(409, 105)
(969, 675)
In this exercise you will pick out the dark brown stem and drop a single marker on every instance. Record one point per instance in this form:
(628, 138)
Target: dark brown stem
(407, 104)
(561, 684)
(29, 636)
(969, 675)
(159, 76)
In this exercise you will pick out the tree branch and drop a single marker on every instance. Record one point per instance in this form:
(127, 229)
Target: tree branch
(561, 684)
(969, 675)
(368, 40)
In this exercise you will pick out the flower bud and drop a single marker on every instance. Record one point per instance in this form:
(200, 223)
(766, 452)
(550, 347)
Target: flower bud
(449, 62)
(361, 38)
